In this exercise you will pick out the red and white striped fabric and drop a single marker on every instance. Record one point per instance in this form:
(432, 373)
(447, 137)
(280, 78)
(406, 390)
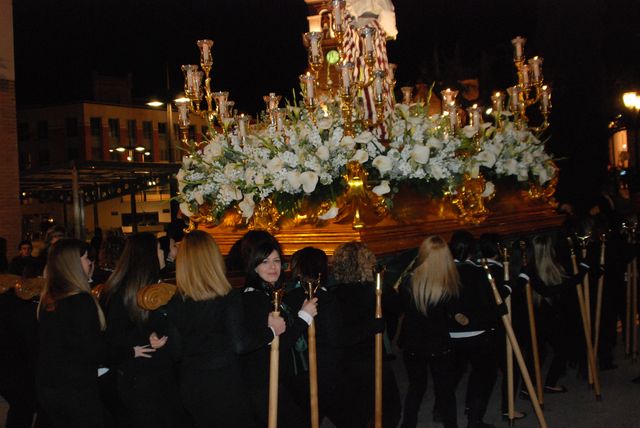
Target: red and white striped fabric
(353, 48)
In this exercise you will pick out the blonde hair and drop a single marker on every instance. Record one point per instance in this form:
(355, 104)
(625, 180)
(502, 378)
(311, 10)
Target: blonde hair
(66, 276)
(353, 262)
(436, 277)
(550, 272)
(200, 269)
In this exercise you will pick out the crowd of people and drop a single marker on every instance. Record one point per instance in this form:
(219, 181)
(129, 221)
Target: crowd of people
(77, 358)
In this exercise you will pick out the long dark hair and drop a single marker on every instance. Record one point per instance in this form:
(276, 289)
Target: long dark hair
(138, 266)
(308, 263)
(258, 254)
(65, 275)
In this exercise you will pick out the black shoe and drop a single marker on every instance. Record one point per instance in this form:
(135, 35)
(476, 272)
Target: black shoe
(517, 415)
(559, 389)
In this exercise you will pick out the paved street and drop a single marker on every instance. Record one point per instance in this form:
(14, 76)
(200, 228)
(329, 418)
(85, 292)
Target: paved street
(620, 407)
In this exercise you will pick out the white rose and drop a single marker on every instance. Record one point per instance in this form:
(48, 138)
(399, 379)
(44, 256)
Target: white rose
(420, 154)
(511, 166)
(323, 153)
(364, 137)
(186, 209)
(347, 142)
(275, 165)
(293, 177)
(230, 192)
(213, 150)
(325, 123)
(249, 174)
(331, 213)
(258, 179)
(309, 181)
(382, 188)
(361, 156)
(383, 163)
(434, 143)
(489, 189)
(199, 197)
(247, 205)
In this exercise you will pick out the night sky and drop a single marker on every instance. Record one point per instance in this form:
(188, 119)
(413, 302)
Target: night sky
(591, 50)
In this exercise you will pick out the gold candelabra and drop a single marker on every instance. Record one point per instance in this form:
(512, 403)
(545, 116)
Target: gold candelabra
(195, 92)
(352, 82)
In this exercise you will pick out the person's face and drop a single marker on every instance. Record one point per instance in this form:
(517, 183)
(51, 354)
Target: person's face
(87, 264)
(269, 268)
(161, 257)
(173, 249)
(25, 250)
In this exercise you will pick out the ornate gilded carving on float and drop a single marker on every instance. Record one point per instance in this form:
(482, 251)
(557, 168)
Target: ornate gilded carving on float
(469, 199)
(265, 217)
(153, 296)
(359, 204)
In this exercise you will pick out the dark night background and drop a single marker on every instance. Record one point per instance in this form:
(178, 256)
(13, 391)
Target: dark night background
(591, 53)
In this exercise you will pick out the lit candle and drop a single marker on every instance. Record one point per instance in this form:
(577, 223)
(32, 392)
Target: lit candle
(514, 97)
(346, 69)
(368, 33)
(449, 96)
(536, 69)
(337, 14)
(242, 125)
(475, 116)
(518, 48)
(526, 70)
(309, 82)
(314, 39)
(379, 83)
(545, 99)
(183, 111)
(407, 92)
(497, 102)
(205, 51)
(453, 116)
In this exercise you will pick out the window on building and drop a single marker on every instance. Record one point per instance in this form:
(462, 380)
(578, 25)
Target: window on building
(95, 123)
(131, 132)
(114, 129)
(43, 130)
(43, 157)
(163, 141)
(23, 131)
(72, 126)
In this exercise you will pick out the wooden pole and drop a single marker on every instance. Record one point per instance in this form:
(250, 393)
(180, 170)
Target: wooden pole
(586, 303)
(627, 333)
(533, 331)
(313, 362)
(274, 365)
(587, 337)
(634, 301)
(378, 358)
(596, 346)
(516, 349)
(511, 413)
(534, 344)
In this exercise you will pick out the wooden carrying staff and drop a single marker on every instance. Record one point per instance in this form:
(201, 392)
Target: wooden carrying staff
(584, 241)
(510, 387)
(274, 360)
(533, 331)
(516, 349)
(603, 240)
(378, 360)
(634, 305)
(311, 287)
(627, 347)
(591, 358)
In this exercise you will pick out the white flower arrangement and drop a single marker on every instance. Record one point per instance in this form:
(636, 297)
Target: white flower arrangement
(309, 156)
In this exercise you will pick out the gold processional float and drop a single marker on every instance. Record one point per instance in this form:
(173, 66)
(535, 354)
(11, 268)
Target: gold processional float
(349, 162)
